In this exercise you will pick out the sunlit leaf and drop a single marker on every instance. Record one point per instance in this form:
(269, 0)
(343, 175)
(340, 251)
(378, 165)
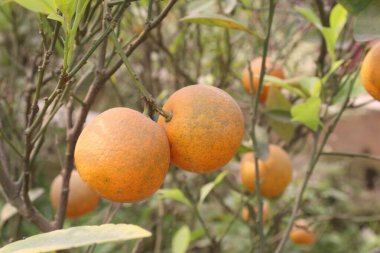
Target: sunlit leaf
(308, 113)
(76, 237)
(39, 6)
(181, 240)
(56, 17)
(338, 18)
(67, 7)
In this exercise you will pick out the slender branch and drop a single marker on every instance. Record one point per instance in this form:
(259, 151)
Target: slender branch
(137, 82)
(254, 105)
(352, 155)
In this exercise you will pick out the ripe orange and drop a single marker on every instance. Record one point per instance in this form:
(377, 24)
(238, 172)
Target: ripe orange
(275, 172)
(301, 233)
(370, 74)
(256, 70)
(123, 155)
(81, 199)
(206, 128)
(245, 212)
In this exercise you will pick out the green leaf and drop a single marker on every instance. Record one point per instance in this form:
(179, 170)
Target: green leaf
(196, 234)
(181, 240)
(207, 188)
(56, 17)
(76, 237)
(175, 194)
(338, 18)
(355, 6)
(39, 6)
(332, 70)
(366, 25)
(330, 38)
(67, 7)
(312, 84)
(308, 113)
(8, 210)
(310, 16)
(216, 20)
(278, 112)
(284, 84)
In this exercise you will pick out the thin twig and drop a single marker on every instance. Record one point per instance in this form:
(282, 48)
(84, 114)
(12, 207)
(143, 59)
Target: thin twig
(352, 155)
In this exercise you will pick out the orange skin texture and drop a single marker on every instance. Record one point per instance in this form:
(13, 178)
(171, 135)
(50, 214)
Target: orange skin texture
(81, 199)
(245, 216)
(370, 73)
(206, 128)
(123, 155)
(275, 71)
(302, 234)
(275, 172)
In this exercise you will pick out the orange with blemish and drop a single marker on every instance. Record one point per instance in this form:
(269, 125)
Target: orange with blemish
(123, 155)
(302, 233)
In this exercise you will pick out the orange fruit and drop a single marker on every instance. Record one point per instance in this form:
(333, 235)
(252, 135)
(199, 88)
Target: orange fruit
(370, 74)
(271, 70)
(245, 212)
(123, 155)
(275, 172)
(81, 199)
(301, 233)
(206, 128)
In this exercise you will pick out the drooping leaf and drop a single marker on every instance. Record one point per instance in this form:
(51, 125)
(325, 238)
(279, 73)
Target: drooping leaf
(8, 210)
(181, 240)
(216, 20)
(207, 188)
(39, 6)
(367, 22)
(76, 237)
(175, 194)
(355, 6)
(308, 113)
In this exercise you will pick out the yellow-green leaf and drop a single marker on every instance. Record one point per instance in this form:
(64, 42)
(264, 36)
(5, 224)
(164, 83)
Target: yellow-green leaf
(39, 6)
(216, 20)
(181, 240)
(76, 237)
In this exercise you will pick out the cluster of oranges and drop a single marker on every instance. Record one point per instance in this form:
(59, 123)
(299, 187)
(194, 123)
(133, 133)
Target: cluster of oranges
(124, 156)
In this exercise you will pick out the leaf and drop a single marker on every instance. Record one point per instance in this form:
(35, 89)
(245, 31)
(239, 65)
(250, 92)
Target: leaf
(307, 113)
(338, 18)
(332, 69)
(39, 6)
(196, 234)
(56, 17)
(216, 20)
(278, 112)
(207, 188)
(284, 84)
(312, 84)
(330, 39)
(355, 6)
(76, 237)
(67, 7)
(366, 26)
(8, 210)
(181, 240)
(310, 16)
(175, 194)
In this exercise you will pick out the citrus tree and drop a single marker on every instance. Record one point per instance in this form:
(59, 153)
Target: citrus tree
(184, 126)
